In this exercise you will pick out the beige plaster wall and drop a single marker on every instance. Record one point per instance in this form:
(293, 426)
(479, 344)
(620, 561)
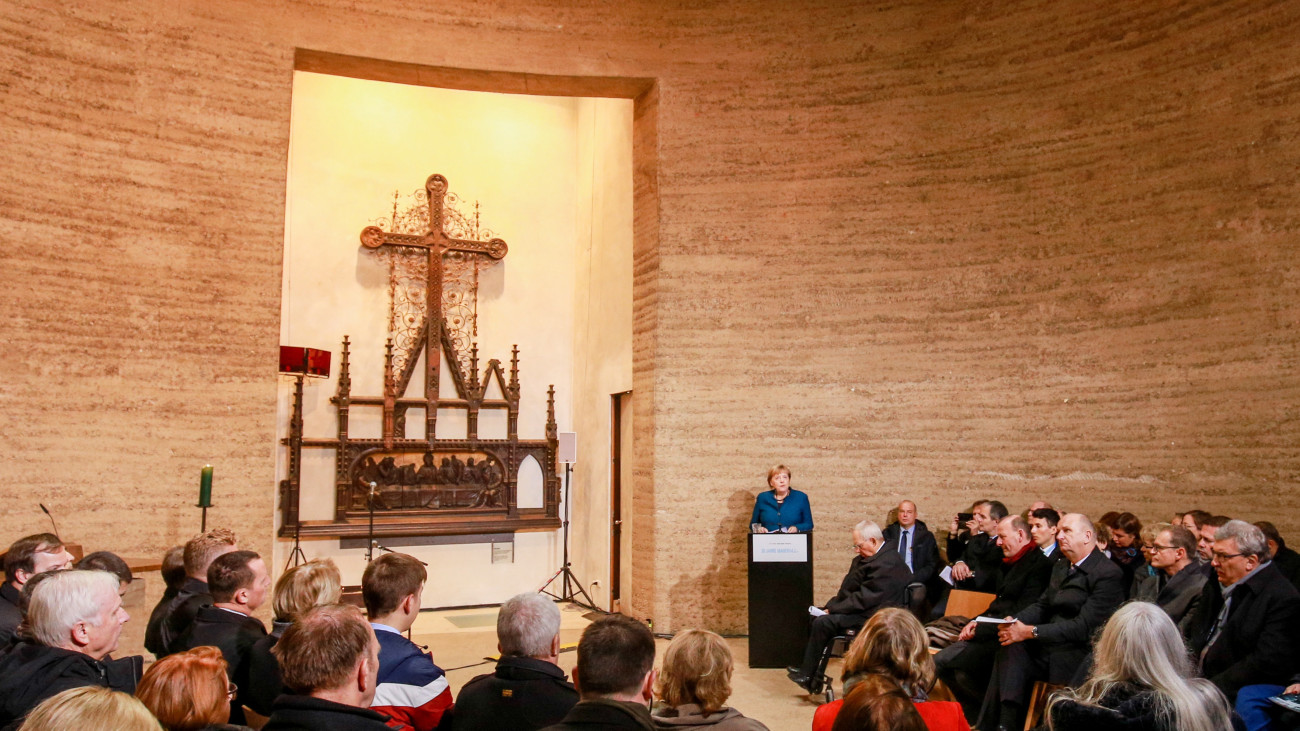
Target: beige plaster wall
(935, 250)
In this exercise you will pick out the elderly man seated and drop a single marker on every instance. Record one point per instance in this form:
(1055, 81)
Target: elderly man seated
(877, 578)
(76, 618)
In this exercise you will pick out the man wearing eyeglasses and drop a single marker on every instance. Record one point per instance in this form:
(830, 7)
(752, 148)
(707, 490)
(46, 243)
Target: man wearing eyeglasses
(1180, 581)
(1242, 632)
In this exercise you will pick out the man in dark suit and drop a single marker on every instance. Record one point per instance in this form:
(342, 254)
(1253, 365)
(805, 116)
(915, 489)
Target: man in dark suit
(964, 665)
(1284, 559)
(1243, 630)
(1042, 528)
(975, 564)
(877, 578)
(919, 550)
(1180, 581)
(1049, 639)
(169, 622)
(238, 582)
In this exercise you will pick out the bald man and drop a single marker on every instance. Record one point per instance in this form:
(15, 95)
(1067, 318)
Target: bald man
(914, 543)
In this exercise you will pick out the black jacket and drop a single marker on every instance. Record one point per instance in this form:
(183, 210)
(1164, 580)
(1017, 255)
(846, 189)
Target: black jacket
(1180, 596)
(983, 556)
(264, 683)
(153, 632)
(305, 713)
(1125, 707)
(177, 617)
(1020, 585)
(10, 616)
(604, 714)
(30, 673)
(925, 551)
(523, 694)
(234, 634)
(1288, 563)
(1071, 609)
(872, 583)
(1256, 644)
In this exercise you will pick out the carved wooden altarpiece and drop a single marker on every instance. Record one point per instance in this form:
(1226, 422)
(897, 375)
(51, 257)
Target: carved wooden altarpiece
(428, 486)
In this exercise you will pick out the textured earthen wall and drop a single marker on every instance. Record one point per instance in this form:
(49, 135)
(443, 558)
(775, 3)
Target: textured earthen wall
(935, 249)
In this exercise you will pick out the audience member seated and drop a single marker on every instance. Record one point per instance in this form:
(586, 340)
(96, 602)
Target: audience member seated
(1141, 679)
(1284, 559)
(877, 578)
(1050, 639)
(24, 631)
(110, 562)
(976, 568)
(26, 558)
(1193, 520)
(76, 618)
(528, 690)
(412, 689)
(189, 691)
(1103, 538)
(615, 677)
(893, 644)
(1042, 528)
(1243, 632)
(1258, 713)
(878, 703)
(173, 576)
(329, 662)
(90, 708)
(1180, 580)
(1126, 551)
(965, 665)
(1205, 543)
(918, 548)
(695, 683)
(313, 584)
(1147, 579)
(179, 613)
(238, 582)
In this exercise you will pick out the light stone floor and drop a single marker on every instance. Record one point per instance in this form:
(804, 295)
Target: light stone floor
(462, 650)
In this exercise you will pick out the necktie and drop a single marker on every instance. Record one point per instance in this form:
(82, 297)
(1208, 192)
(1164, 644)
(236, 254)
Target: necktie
(902, 548)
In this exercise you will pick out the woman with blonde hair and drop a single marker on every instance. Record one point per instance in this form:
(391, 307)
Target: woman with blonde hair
(695, 683)
(313, 584)
(893, 644)
(1141, 678)
(90, 708)
(189, 691)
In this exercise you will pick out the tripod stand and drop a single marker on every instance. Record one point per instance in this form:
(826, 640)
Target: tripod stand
(567, 593)
(296, 556)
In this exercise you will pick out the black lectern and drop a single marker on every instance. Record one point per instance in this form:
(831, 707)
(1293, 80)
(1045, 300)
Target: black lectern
(780, 591)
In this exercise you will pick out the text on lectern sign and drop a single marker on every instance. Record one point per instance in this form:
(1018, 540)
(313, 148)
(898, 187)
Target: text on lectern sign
(780, 547)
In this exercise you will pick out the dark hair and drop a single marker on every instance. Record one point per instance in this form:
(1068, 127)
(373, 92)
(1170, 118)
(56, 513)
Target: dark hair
(614, 655)
(1182, 538)
(107, 561)
(1101, 533)
(388, 580)
(321, 648)
(1128, 523)
(876, 703)
(1108, 519)
(1048, 514)
(1198, 517)
(229, 573)
(1216, 521)
(173, 567)
(997, 511)
(22, 554)
(1271, 534)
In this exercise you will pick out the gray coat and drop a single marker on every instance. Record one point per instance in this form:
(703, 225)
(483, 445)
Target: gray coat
(690, 716)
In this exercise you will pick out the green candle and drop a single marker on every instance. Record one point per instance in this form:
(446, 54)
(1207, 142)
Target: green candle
(205, 487)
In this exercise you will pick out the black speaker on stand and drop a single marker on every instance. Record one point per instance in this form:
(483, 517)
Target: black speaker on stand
(570, 587)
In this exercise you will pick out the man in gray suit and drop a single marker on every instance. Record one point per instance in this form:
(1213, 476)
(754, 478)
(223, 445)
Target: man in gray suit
(1172, 554)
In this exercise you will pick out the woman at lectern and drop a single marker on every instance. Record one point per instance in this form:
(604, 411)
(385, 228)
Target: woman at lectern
(781, 509)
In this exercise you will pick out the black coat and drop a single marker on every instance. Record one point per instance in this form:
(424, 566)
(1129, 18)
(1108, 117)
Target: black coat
(599, 713)
(1256, 644)
(153, 631)
(523, 694)
(872, 583)
(305, 713)
(925, 551)
(264, 683)
(1020, 585)
(30, 673)
(234, 634)
(1071, 609)
(176, 618)
(1125, 707)
(10, 616)
(984, 557)
(1180, 596)
(1288, 563)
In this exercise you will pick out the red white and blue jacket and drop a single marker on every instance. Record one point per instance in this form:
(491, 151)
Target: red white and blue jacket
(412, 690)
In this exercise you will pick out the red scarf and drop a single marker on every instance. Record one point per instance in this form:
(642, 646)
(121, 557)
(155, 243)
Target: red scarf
(1028, 547)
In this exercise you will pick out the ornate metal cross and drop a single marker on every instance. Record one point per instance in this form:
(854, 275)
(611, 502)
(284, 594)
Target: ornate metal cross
(436, 243)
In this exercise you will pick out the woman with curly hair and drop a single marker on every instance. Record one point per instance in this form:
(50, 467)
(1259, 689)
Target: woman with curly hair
(695, 683)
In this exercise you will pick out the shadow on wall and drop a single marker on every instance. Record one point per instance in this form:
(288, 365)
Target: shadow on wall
(709, 599)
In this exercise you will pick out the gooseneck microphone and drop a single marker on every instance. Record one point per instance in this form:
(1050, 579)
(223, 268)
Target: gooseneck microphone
(51, 517)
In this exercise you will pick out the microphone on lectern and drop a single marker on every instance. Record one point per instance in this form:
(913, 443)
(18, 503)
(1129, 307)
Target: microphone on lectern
(51, 517)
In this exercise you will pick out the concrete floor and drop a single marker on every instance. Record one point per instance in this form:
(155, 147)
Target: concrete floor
(461, 639)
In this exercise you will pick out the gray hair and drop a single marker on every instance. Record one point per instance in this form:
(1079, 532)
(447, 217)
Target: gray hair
(868, 531)
(527, 624)
(66, 598)
(1250, 540)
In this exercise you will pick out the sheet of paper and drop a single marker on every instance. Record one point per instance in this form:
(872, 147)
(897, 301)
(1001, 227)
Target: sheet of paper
(814, 611)
(946, 574)
(994, 620)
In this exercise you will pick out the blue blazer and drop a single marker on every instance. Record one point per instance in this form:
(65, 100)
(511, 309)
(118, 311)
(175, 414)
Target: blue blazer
(793, 512)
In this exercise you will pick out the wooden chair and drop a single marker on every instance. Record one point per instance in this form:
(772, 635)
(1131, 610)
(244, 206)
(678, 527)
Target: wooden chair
(1038, 703)
(968, 603)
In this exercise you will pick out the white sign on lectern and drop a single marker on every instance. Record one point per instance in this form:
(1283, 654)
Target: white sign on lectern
(780, 547)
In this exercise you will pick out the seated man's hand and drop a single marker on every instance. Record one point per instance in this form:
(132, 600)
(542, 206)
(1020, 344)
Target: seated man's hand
(961, 572)
(1017, 631)
(1293, 688)
(967, 632)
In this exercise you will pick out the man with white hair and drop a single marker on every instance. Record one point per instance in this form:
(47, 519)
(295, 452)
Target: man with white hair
(75, 618)
(528, 690)
(877, 578)
(1244, 627)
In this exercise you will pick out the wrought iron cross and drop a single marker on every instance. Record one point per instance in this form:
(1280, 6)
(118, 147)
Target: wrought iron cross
(436, 243)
